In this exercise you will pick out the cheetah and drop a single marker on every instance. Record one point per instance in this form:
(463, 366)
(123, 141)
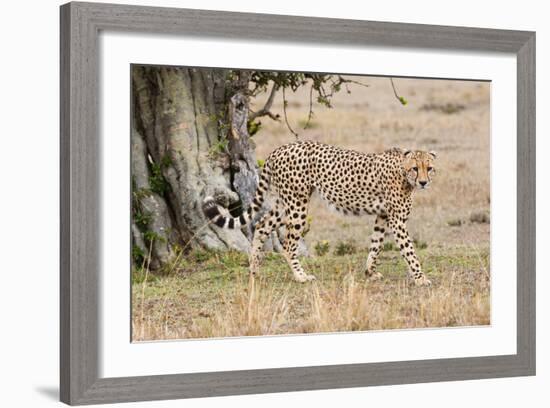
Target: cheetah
(380, 184)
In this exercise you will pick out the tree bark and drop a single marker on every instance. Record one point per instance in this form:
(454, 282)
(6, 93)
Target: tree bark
(185, 147)
(189, 140)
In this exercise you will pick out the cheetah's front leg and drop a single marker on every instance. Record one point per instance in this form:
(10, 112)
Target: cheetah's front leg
(405, 244)
(294, 228)
(290, 248)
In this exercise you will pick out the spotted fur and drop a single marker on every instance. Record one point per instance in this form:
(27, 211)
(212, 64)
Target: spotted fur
(353, 182)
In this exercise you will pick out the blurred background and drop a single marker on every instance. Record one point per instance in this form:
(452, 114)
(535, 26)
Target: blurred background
(448, 116)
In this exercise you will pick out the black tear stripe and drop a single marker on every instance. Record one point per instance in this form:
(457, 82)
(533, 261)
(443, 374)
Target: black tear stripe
(242, 220)
(231, 223)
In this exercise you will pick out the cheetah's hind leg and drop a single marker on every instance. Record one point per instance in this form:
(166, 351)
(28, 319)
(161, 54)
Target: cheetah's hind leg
(270, 221)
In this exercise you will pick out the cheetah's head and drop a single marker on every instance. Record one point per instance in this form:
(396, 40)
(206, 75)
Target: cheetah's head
(419, 168)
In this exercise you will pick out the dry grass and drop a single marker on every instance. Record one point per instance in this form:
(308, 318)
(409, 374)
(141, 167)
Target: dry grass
(216, 298)
(210, 295)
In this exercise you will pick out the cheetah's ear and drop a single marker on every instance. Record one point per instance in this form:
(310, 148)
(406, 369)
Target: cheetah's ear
(433, 154)
(408, 153)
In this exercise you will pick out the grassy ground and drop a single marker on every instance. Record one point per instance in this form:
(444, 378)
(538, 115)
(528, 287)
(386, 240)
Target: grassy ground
(209, 295)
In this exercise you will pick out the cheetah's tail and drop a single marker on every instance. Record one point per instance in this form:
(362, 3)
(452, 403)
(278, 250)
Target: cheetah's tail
(212, 211)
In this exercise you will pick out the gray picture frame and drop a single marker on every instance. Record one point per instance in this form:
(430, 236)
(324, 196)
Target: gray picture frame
(80, 237)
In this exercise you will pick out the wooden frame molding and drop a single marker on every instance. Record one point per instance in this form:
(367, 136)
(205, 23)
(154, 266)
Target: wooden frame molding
(81, 235)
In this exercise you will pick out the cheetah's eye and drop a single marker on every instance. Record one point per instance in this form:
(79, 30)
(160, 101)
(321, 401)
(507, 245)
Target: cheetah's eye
(415, 168)
(430, 168)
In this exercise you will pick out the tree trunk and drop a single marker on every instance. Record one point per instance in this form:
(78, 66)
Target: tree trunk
(189, 140)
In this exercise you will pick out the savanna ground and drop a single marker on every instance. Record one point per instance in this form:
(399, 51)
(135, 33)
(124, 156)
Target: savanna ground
(209, 294)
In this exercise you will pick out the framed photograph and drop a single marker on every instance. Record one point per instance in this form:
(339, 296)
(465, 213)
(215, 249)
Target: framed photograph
(261, 203)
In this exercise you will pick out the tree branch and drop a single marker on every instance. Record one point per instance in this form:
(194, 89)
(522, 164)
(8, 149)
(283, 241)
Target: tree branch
(310, 113)
(351, 81)
(266, 110)
(286, 118)
(401, 99)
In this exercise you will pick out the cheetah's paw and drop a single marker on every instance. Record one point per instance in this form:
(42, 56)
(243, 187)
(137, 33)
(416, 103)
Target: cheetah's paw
(304, 277)
(375, 276)
(422, 281)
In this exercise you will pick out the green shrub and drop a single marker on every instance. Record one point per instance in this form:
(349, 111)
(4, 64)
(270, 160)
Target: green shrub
(480, 217)
(321, 248)
(389, 246)
(253, 127)
(200, 255)
(139, 274)
(345, 248)
(419, 244)
(138, 255)
(157, 182)
(152, 236)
